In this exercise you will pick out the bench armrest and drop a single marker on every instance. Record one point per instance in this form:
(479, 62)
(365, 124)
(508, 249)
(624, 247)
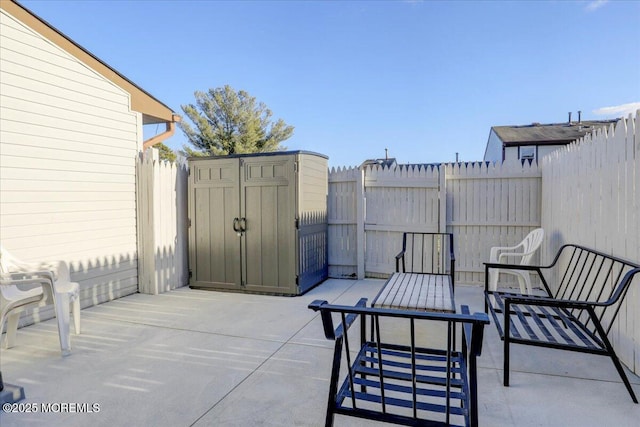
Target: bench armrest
(535, 268)
(327, 321)
(472, 334)
(392, 312)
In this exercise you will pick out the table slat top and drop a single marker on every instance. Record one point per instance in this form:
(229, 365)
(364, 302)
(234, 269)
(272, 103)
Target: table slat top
(416, 291)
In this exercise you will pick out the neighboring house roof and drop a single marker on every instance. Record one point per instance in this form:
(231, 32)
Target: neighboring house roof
(153, 111)
(385, 163)
(548, 134)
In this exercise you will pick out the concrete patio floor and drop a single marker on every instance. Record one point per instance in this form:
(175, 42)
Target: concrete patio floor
(201, 358)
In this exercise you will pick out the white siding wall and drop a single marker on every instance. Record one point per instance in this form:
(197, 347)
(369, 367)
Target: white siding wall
(511, 153)
(493, 152)
(68, 145)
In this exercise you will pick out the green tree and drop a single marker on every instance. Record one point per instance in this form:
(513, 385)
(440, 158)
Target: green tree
(165, 152)
(230, 122)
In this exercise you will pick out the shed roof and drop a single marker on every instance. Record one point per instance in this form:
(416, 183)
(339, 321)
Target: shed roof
(554, 133)
(153, 111)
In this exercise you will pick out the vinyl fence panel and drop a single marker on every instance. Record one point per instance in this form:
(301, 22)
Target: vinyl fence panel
(591, 196)
(342, 212)
(482, 204)
(406, 198)
(162, 238)
(489, 205)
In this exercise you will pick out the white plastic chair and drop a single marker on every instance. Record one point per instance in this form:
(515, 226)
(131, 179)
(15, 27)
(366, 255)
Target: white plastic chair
(55, 286)
(524, 251)
(13, 301)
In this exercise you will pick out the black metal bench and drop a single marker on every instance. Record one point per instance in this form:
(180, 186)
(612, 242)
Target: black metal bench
(589, 289)
(424, 277)
(399, 383)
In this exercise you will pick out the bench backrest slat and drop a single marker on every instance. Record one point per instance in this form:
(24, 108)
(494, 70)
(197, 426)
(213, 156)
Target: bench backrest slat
(591, 276)
(564, 290)
(427, 253)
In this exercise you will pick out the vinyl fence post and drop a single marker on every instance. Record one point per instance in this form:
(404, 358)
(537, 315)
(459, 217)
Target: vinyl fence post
(442, 195)
(360, 216)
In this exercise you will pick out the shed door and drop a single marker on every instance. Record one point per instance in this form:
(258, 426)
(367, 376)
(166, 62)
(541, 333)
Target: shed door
(269, 243)
(215, 246)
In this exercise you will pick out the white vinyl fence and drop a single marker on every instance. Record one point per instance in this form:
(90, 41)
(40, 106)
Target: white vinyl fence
(398, 200)
(345, 213)
(162, 220)
(489, 205)
(587, 193)
(591, 196)
(482, 205)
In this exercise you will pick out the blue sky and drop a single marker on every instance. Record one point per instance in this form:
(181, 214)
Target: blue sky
(424, 79)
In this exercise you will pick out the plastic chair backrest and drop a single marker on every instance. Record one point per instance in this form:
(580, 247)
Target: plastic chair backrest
(9, 264)
(7, 261)
(530, 245)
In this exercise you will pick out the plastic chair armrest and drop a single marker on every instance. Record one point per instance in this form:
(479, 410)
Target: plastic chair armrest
(496, 251)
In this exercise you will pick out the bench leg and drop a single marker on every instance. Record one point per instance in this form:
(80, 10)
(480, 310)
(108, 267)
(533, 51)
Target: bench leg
(611, 352)
(333, 386)
(625, 380)
(473, 392)
(507, 326)
(617, 364)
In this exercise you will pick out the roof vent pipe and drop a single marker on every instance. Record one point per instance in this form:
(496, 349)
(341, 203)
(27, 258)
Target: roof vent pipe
(569, 117)
(579, 116)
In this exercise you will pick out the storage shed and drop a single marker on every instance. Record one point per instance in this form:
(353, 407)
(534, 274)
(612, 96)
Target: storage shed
(258, 222)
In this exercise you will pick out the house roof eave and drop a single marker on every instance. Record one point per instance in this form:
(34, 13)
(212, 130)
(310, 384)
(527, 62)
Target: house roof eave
(550, 142)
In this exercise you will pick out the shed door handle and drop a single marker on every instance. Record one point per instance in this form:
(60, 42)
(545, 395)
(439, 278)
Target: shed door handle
(236, 225)
(243, 224)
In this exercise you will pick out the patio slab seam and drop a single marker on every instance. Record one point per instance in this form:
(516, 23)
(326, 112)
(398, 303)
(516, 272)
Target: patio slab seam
(568, 376)
(212, 407)
(173, 328)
